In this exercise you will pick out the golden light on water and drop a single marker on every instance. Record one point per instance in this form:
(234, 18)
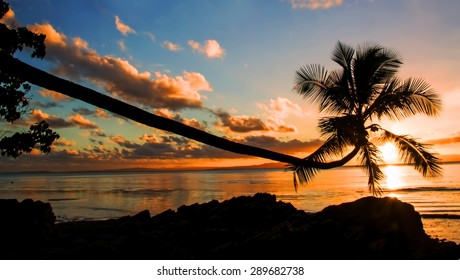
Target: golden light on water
(393, 176)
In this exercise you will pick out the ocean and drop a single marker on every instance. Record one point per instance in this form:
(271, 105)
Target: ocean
(105, 195)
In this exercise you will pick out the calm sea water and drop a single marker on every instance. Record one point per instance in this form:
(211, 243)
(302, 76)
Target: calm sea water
(76, 196)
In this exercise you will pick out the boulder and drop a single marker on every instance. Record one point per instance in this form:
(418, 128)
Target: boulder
(246, 227)
(25, 224)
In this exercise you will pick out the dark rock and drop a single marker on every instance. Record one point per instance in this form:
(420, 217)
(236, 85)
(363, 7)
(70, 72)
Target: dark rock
(142, 217)
(26, 224)
(257, 227)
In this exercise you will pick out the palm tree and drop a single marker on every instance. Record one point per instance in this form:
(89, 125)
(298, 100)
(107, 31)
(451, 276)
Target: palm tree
(365, 89)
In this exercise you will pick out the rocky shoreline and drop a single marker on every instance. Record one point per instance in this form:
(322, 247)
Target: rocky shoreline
(256, 227)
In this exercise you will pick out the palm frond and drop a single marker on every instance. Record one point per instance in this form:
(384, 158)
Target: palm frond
(370, 158)
(413, 152)
(313, 83)
(423, 99)
(402, 99)
(330, 149)
(310, 80)
(372, 66)
(343, 55)
(302, 174)
(345, 128)
(339, 98)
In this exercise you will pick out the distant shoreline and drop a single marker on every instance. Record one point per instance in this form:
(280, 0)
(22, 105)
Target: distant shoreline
(267, 166)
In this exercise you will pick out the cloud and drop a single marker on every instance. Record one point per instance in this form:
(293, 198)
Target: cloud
(81, 122)
(122, 45)
(52, 120)
(282, 107)
(176, 147)
(150, 36)
(250, 124)
(241, 124)
(87, 112)
(315, 4)
(123, 142)
(210, 48)
(55, 96)
(76, 120)
(177, 117)
(46, 105)
(76, 60)
(9, 19)
(444, 141)
(62, 142)
(101, 113)
(278, 110)
(159, 150)
(287, 147)
(153, 147)
(123, 28)
(171, 46)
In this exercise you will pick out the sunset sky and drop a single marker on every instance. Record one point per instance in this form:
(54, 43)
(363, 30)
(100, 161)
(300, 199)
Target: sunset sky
(226, 67)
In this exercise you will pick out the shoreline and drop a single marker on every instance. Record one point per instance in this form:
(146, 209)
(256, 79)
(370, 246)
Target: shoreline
(244, 227)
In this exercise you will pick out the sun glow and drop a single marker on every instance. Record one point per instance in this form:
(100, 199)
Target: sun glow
(393, 177)
(389, 153)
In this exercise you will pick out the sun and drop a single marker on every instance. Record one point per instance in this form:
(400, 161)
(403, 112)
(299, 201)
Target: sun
(389, 153)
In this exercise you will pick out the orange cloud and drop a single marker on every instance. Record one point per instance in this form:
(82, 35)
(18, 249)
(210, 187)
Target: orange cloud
(123, 28)
(250, 124)
(81, 122)
(315, 4)
(9, 18)
(52, 120)
(445, 141)
(101, 113)
(75, 59)
(55, 96)
(52, 36)
(87, 112)
(242, 124)
(171, 46)
(177, 116)
(62, 142)
(210, 48)
(193, 123)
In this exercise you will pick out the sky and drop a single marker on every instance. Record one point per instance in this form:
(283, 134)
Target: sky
(226, 67)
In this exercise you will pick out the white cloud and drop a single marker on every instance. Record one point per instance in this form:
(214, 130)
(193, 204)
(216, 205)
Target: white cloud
(278, 110)
(210, 48)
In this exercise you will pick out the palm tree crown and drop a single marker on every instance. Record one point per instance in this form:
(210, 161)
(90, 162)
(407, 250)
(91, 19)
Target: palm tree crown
(363, 90)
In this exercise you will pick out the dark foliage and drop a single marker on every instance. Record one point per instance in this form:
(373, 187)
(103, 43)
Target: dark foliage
(13, 91)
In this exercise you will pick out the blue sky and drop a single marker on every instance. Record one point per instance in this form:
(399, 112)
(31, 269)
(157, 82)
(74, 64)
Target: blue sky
(223, 66)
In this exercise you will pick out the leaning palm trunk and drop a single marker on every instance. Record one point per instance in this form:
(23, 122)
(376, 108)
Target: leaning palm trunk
(45, 80)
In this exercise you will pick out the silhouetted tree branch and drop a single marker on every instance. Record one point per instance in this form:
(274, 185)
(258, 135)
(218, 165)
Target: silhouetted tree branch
(13, 90)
